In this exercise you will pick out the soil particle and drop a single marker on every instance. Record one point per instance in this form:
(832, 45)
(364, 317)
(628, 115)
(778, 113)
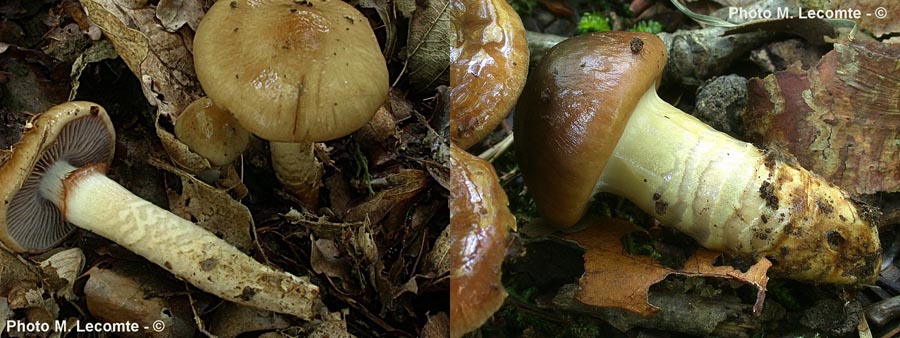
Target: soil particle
(247, 294)
(767, 193)
(826, 207)
(661, 207)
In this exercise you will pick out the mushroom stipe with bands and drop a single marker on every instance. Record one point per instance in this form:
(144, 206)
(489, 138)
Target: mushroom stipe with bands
(589, 120)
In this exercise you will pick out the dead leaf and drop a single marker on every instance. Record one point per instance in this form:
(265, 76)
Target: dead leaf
(334, 326)
(874, 14)
(99, 51)
(180, 153)
(231, 320)
(387, 17)
(5, 313)
(404, 185)
(438, 326)
(839, 118)
(607, 263)
(438, 261)
(132, 292)
(212, 209)
(161, 60)
(67, 266)
(326, 258)
(173, 14)
(428, 43)
(318, 224)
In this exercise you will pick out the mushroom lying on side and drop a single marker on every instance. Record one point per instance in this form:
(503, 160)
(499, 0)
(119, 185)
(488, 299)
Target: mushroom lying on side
(480, 222)
(294, 73)
(489, 61)
(56, 180)
(590, 121)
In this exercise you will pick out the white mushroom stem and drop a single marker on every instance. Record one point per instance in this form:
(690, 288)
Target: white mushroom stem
(730, 196)
(93, 202)
(298, 170)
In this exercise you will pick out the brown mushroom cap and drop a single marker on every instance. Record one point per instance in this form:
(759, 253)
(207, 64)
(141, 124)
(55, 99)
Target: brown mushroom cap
(573, 111)
(480, 222)
(78, 132)
(489, 63)
(291, 71)
(211, 132)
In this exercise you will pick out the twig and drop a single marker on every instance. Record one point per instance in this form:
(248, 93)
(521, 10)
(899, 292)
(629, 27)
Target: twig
(498, 149)
(197, 319)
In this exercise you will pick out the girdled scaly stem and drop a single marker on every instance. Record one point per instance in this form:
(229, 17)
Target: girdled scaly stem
(730, 196)
(298, 170)
(93, 202)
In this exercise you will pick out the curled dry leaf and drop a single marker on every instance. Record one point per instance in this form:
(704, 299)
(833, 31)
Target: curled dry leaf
(839, 118)
(231, 320)
(210, 208)
(606, 263)
(180, 153)
(404, 185)
(438, 326)
(428, 43)
(67, 265)
(325, 258)
(135, 293)
(870, 20)
(161, 60)
(334, 326)
(173, 14)
(438, 261)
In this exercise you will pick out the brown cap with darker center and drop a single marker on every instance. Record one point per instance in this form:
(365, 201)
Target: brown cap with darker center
(291, 71)
(573, 111)
(77, 132)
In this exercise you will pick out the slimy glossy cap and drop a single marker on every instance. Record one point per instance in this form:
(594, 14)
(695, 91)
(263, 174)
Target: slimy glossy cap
(574, 109)
(291, 71)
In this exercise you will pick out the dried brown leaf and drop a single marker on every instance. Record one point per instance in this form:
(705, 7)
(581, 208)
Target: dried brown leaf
(334, 326)
(438, 326)
(428, 43)
(232, 320)
(326, 258)
(438, 261)
(173, 14)
(839, 118)
(129, 292)
(404, 185)
(211, 208)
(607, 263)
(873, 18)
(161, 60)
(180, 153)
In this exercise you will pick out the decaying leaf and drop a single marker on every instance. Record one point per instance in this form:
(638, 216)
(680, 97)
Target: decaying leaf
(404, 185)
(173, 14)
(231, 320)
(161, 60)
(180, 153)
(326, 258)
(213, 209)
(438, 260)
(334, 326)
(607, 263)
(438, 326)
(99, 51)
(428, 43)
(840, 118)
(878, 16)
(67, 265)
(15, 269)
(136, 293)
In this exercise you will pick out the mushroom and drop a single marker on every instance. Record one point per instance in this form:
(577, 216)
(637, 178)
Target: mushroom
(480, 222)
(590, 121)
(489, 61)
(211, 132)
(294, 73)
(55, 180)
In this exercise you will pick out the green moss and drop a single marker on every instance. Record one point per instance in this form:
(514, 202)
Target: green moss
(593, 22)
(648, 26)
(524, 7)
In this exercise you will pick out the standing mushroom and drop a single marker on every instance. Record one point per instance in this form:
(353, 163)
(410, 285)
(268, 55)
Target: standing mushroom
(489, 61)
(590, 121)
(480, 222)
(55, 180)
(292, 72)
